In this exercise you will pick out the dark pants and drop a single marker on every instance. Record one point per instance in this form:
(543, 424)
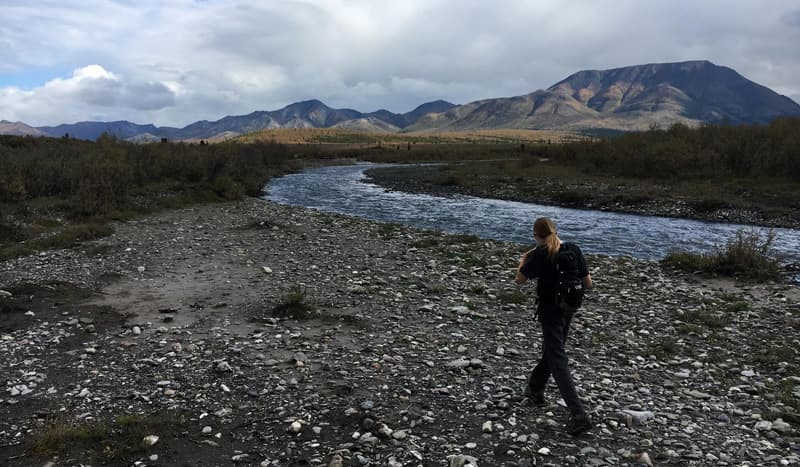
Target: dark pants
(555, 327)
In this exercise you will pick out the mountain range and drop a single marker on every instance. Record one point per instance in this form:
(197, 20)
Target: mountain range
(628, 98)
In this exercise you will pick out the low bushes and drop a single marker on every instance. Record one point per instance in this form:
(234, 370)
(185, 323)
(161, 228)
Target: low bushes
(82, 185)
(745, 255)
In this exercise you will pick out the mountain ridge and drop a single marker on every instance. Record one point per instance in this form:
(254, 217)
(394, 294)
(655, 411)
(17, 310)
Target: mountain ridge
(625, 98)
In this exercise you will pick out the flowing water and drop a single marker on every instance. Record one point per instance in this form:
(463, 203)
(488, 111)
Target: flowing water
(341, 189)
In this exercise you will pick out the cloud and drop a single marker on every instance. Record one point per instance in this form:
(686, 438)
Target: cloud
(177, 61)
(91, 90)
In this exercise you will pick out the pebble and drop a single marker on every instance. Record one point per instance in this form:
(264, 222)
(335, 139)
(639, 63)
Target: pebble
(461, 460)
(296, 427)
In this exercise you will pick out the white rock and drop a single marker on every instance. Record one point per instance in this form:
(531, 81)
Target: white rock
(461, 460)
(296, 427)
(763, 425)
(780, 426)
(458, 363)
(140, 269)
(643, 458)
(682, 374)
(266, 269)
(385, 430)
(639, 417)
(487, 426)
(544, 451)
(150, 440)
(136, 330)
(5, 294)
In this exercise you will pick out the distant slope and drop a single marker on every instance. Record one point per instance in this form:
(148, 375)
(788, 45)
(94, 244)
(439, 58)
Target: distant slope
(699, 90)
(19, 129)
(627, 98)
(306, 114)
(368, 124)
(92, 130)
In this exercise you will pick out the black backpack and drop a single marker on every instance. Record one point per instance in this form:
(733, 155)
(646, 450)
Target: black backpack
(569, 286)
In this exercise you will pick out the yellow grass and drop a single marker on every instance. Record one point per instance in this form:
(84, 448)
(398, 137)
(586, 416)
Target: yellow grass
(357, 138)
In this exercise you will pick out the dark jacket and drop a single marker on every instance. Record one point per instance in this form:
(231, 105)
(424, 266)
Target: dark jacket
(539, 266)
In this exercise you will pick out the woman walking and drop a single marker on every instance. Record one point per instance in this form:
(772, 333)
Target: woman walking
(540, 263)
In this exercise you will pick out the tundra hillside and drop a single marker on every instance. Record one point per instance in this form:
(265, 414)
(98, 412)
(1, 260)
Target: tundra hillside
(259, 334)
(740, 174)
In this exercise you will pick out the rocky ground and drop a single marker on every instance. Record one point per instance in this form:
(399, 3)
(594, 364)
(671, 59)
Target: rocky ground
(587, 194)
(257, 334)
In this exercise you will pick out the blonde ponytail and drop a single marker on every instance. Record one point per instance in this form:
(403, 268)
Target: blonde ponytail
(545, 228)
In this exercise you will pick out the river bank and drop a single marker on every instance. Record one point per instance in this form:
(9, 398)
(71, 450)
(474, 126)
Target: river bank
(642, 199)
(262, 334)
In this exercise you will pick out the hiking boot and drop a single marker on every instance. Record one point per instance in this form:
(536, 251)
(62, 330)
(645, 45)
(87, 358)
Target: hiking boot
(579, 423)
(534, 400)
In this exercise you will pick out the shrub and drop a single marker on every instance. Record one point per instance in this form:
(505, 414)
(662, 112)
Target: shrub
(11, 231)
(572, 197)
(709, 319)
(666, 348)
(71, 235)
(746, 255)
(105, 442)
(513, 296)
(293, 305)
(709, 205)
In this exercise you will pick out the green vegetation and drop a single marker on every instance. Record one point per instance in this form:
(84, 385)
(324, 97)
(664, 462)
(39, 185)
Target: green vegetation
(103, 442)
(706, 318)
(689, 328)
(56, 192)
(787, 394)
(681, 152)
(746, 255)
(293, 305)
(664, 348)
(515, 296)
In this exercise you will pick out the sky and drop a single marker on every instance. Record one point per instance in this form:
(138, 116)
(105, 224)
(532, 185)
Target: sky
(174, 62)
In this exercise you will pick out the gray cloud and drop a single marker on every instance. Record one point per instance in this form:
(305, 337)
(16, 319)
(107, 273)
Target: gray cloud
(792, 19)
(178, 61)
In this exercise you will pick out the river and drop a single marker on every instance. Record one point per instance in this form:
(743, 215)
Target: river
(341, 189)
